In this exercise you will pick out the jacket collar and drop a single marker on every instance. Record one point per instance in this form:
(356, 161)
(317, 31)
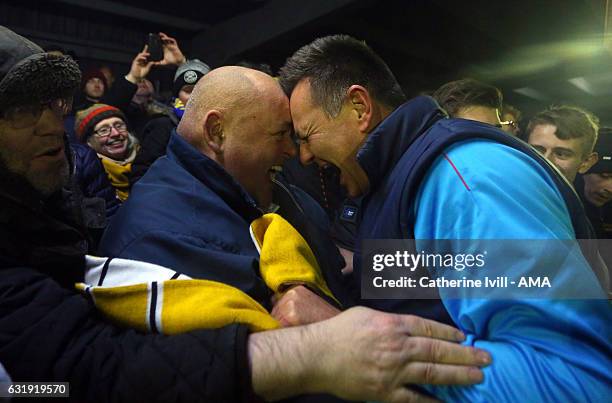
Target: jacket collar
(213, 176)
(388, 142)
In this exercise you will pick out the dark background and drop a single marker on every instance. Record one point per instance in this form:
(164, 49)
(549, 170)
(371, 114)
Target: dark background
(538, 52)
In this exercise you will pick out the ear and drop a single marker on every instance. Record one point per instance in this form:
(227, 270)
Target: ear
(213, 131)
(360, 102)
(588, 163)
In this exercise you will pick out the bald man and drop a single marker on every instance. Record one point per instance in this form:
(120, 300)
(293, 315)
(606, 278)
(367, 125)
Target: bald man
(191, 212)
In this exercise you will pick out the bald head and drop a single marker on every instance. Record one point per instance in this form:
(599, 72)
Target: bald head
(240, 119)
(230, 90)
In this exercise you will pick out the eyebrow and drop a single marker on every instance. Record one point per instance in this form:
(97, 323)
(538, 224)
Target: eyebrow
(568, 150)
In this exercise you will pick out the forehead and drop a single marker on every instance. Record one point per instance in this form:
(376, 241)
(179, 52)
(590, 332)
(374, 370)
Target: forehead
(107, 122)
(303, 109)
(544, 135)
(272, 107)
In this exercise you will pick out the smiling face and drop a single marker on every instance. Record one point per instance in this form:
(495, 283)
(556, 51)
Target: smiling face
(36, 153)
(257, 139)
(568, 155)
(115, 145)
(326, 140)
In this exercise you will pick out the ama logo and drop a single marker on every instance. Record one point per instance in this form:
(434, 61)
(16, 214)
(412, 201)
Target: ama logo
(534, 282)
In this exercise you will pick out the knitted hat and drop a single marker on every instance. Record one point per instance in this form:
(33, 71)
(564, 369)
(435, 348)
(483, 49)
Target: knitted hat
(603, 147)
(87, 119)
(188, 74)
(28, 75)
(93, 73)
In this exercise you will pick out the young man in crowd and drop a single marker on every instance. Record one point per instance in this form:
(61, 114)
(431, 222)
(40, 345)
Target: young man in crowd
(49, 332)
(566, 136)
(595, 190)
(428, 178)
(470, 99)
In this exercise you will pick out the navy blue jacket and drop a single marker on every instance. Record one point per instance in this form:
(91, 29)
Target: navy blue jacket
(51, 333)
(91, 177)
(187, 213)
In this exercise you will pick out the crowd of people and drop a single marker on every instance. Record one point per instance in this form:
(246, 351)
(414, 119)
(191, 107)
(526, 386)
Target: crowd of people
(211, 248)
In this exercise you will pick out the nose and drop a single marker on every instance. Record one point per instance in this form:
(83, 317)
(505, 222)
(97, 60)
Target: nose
(114, 132)
(289, 148)
(306, 156)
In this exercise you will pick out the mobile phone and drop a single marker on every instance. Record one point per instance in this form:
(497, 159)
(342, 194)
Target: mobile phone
(155, 50)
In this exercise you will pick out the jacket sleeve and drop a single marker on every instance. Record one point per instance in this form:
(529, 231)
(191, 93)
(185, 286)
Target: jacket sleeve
(155, 138)
(48, 333)
(92, 178)
(546, 349)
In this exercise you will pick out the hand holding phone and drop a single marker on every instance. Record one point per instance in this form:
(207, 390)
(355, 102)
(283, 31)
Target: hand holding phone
(154, 47)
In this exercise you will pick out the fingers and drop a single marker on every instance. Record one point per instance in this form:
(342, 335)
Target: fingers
(145, 49)
(406, 395)
(431, 350)
(167, 40)
(440, 374)
(417, 326)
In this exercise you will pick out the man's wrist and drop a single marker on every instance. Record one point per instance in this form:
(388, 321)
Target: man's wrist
(132, 78)
(284, 362)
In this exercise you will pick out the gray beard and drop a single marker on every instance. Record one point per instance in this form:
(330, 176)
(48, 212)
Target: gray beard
(45, 184)
(48, 183)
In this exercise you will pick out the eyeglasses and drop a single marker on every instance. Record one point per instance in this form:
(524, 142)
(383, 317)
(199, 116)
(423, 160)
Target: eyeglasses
(20, 117)
(105, 131)
(507, 123)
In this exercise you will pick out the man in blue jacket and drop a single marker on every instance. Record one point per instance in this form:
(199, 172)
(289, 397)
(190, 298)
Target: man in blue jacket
(429, 178)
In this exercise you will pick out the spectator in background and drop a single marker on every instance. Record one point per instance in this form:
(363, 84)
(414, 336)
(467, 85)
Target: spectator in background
(471, 99)
(108, 75)
(565, 135)
(156, 134)
(510, 118)
(595, 190)
(105, 129)
(185, 78)
(144, 107)
(93, 85)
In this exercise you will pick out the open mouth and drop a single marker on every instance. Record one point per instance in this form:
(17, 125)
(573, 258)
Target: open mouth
(115, 143)
(275, 169)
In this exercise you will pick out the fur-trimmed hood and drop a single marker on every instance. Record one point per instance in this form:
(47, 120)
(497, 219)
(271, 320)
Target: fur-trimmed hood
(29, 75)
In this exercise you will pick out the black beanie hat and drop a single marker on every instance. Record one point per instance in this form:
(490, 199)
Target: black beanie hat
(189, 73)
(603, 147)
(29, 75)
